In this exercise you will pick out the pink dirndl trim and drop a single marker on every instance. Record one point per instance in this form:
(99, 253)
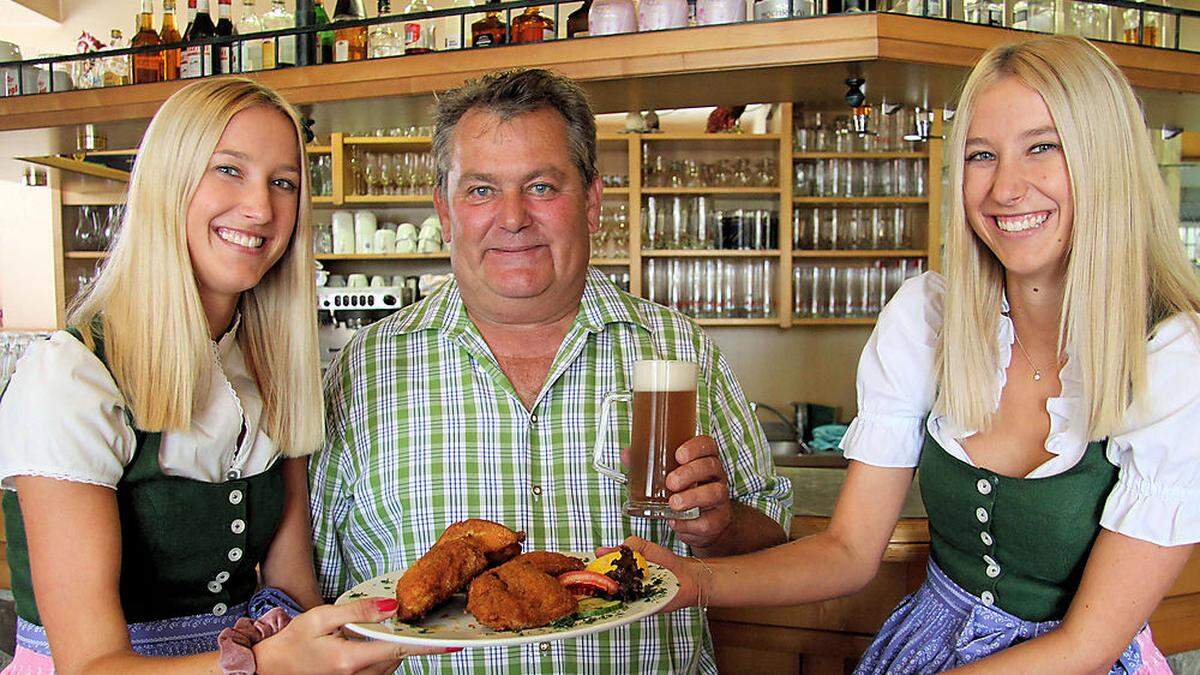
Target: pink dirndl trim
(1153, 661)
(28, 662)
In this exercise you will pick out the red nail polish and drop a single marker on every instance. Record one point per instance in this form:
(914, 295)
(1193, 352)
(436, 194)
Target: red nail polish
(451, 650)
(386, 604)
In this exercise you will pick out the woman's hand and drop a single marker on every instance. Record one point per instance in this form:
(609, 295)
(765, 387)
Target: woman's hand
(312, 643)
(689, 571)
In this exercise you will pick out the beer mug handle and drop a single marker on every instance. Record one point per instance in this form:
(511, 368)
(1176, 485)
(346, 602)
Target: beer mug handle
(602, 434)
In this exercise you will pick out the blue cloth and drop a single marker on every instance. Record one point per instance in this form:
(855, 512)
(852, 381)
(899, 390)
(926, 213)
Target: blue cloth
(827, 437)
(177, 636)
(941, 626)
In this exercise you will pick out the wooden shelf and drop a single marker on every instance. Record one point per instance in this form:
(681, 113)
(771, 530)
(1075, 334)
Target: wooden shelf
(85, 255)
(859, 155)
(752, 61)
(388, 199)
(699, 253)
(615, 191)
(709, 137)
(835, 321)
(770, 321)
(71, 199)
(318, 149)
(615, 138)
(711, 191)
(443, 255)
(79, 166)
(860, 200)
(862, 253)
(322, 199)
(608, 262)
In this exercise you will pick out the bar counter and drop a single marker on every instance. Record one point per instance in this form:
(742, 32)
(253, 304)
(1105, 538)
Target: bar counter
(828, 637)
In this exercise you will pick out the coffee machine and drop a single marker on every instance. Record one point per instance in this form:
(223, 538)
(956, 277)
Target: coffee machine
(341, 311)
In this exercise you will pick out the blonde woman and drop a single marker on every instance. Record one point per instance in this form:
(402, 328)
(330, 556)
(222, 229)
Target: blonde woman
(157, 448)
(1048, 387)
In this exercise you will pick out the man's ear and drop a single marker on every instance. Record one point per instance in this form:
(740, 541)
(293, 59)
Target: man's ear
(443, 211)
(594, 197)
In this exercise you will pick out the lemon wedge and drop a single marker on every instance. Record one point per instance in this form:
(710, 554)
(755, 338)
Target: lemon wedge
(605, 563)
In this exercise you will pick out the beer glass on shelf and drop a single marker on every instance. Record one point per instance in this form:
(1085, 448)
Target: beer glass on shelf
(664, 417)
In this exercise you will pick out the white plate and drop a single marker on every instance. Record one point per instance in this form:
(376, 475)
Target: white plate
(451, 625)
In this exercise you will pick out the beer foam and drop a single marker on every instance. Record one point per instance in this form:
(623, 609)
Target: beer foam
(664, 376)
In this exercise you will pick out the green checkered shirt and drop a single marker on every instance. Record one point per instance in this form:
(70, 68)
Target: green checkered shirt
(425, 430)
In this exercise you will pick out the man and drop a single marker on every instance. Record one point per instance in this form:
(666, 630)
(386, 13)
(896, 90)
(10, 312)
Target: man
(483, 399)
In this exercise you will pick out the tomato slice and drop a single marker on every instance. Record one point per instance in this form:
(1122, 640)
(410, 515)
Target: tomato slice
(588, 582)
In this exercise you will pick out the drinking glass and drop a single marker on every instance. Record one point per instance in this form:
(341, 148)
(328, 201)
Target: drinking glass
(663, 398)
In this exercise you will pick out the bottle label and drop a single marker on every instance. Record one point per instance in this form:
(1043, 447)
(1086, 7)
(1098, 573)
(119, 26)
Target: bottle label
(483, 40)
(268, 54)
(341, 51)
(196, 61)
(548, 34)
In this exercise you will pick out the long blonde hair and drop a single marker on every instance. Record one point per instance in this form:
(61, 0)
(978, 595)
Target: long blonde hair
(156, 336)
(1127, 271)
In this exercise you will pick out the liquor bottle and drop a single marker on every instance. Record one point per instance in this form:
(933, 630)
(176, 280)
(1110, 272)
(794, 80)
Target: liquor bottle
(382, 39)
(306, 43)
(489, 30)
(1037, 15)
(278, 52)
(577, 21)
(986, 12)
(226, 57)
(349, 44)
(114, 70)
(198, 60)
(1149, 22)
(147, 67)
(250, 52)
(191, 19)
(419, 35)
(532, 26)
(450, 33)
(168, 35)
(324, 41)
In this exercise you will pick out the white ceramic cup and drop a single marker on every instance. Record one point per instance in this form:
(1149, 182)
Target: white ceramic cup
(356, 281)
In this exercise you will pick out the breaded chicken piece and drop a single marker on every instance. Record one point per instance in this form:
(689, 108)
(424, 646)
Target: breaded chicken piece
(551, 563)
(497, 542)
(443, 571)
(517, 595)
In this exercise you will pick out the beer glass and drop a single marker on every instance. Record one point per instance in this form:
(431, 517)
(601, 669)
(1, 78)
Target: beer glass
(664, 416)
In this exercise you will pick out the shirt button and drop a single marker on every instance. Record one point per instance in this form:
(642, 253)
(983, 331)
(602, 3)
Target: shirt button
(992, 571)
(235, 554)
(544, 647)
(214, 587)
(987, 598)
(238, 526)
(984, 486)
(537, 490)
(235, 497)
(986, 538)
(981, 514)
(222, 577)
(233, 474)
(533, 418)
(990, 561)
(219, 609)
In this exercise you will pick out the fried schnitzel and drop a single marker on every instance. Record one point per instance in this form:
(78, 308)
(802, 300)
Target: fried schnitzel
(518, 595)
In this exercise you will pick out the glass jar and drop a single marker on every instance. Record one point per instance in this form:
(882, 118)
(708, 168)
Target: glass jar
(662, 14)
(611, 17)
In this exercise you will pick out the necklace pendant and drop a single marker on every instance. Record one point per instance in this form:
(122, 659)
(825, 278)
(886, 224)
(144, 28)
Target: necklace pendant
(1037, 375)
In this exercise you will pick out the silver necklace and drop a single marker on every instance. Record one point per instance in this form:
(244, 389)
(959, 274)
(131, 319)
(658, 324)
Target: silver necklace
(1037, 372)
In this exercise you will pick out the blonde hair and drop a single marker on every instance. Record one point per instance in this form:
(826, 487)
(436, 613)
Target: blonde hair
(156, 335)
(1127, 270)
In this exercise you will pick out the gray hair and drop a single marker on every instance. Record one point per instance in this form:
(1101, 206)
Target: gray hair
(508, 94)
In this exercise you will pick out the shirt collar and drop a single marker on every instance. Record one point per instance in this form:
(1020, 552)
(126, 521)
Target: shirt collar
(602, 304)
(228, 340)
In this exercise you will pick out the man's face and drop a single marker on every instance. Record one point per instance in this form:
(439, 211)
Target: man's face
(519, 215)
